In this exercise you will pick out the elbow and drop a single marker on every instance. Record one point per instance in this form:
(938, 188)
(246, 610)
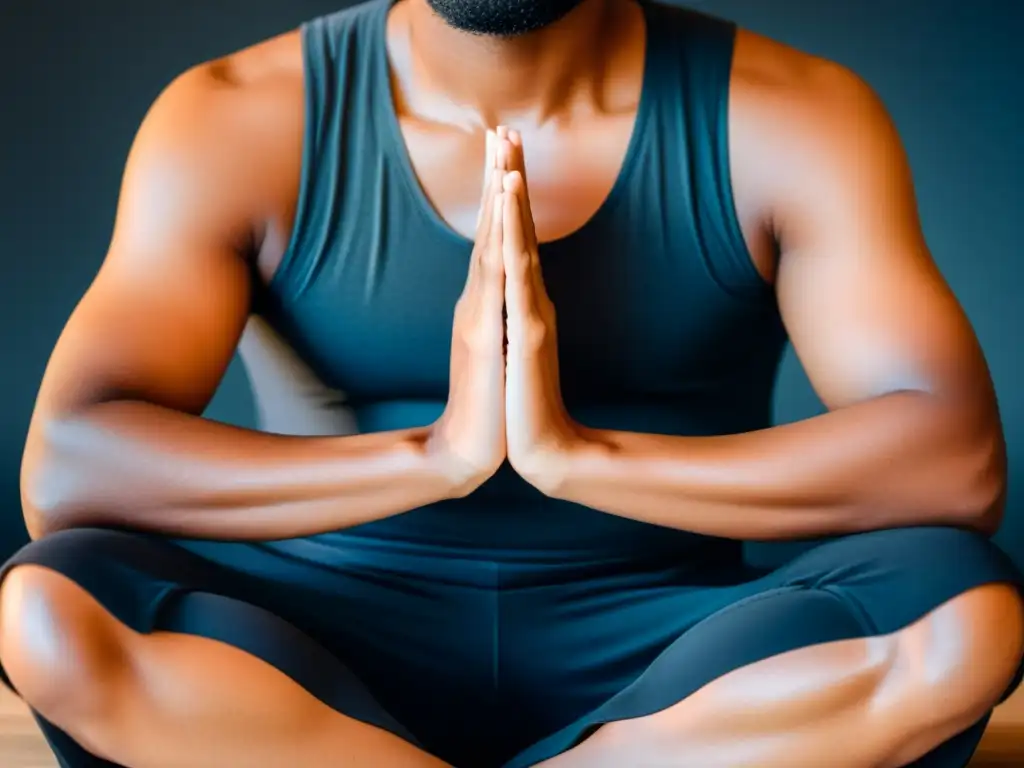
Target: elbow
(985, 506)
(45, 504)
(980, 493)
(40, 509)
(37, 522)
(48, 492)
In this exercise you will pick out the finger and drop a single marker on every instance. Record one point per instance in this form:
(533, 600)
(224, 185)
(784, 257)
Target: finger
(490, 145)
(512, 221)
(513, 185)
(519, 158)
(496, 236)
(518, 282)
(490, 141)
(503, 154)
(519, 164)
(513, 153)
(490, 149)
(501, 161)
(492, 187)
(493, 270)
(492, 216)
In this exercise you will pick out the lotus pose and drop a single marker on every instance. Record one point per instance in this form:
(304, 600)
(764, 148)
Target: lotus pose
(512, 279)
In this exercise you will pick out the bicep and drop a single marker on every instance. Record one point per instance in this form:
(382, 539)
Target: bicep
(161, 320)
(866, 308)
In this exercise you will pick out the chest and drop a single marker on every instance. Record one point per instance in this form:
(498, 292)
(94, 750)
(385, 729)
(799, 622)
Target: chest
(571, 171)
(637, 314)
(622, 253)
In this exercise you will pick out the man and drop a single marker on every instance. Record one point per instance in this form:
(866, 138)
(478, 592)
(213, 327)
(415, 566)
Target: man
(515, 541)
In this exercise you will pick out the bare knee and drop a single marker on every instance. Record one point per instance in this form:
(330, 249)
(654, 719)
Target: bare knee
(952, 667)
(62, 651)
(974, 643)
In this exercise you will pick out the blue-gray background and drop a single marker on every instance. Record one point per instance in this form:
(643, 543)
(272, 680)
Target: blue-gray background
(76, 78)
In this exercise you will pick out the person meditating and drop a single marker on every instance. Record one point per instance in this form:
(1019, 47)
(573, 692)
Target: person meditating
(512, 280)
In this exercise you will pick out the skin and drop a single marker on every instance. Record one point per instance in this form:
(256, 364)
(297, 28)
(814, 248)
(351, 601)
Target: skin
(210, 192)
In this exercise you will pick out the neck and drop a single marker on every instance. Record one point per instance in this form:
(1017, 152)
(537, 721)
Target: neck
(457, 76)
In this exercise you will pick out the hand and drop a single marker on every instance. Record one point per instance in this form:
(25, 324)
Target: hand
(539, 430)
(469, 438)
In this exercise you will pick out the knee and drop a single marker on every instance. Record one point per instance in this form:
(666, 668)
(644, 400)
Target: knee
(60, 649)
(977, 640)
(948, 671)
(951, 668)
(976, 637)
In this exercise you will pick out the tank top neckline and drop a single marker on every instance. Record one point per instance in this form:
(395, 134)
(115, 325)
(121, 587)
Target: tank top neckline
(397, 152)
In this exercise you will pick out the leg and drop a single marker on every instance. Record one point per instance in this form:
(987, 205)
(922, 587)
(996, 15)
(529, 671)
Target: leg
(878, 701)
(169, 699)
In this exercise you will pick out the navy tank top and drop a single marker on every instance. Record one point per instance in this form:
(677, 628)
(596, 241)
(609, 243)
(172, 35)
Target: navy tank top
(664, 323)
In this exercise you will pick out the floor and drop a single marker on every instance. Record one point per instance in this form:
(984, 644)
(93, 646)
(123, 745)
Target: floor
(22, 746)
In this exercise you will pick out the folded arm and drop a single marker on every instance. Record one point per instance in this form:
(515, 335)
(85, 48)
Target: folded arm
(912, 433)
(117, 437)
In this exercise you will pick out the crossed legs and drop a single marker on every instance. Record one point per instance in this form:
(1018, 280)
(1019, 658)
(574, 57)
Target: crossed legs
(165, 699)
(877, 702)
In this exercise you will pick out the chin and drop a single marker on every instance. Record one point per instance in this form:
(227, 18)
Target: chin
(501, 18)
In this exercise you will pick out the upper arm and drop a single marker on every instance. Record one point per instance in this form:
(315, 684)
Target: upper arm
(161, 319)
(866, 308)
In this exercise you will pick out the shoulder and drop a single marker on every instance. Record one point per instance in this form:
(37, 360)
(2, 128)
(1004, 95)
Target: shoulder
(221, 138)
(796, 94)
(800, 124)
(233, 104)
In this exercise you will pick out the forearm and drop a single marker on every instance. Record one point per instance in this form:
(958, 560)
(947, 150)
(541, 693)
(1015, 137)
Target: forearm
(903, 459)
(144, 467)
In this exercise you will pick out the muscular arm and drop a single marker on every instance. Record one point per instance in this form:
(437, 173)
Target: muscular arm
(912, 433)
(117, 437)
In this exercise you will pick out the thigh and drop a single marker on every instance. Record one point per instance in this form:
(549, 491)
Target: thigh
(150, 585)
(373, 638)
(626, 653)
(892, 578)
(132, 576)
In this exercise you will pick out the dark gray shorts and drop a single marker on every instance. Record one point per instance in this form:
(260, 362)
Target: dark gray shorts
(488, 667)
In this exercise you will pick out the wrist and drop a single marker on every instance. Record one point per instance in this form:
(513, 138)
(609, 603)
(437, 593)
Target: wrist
(459, 476)
(553, 468)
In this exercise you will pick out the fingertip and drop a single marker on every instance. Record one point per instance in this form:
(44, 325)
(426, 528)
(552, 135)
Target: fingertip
(502, 131)
(515, 137)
